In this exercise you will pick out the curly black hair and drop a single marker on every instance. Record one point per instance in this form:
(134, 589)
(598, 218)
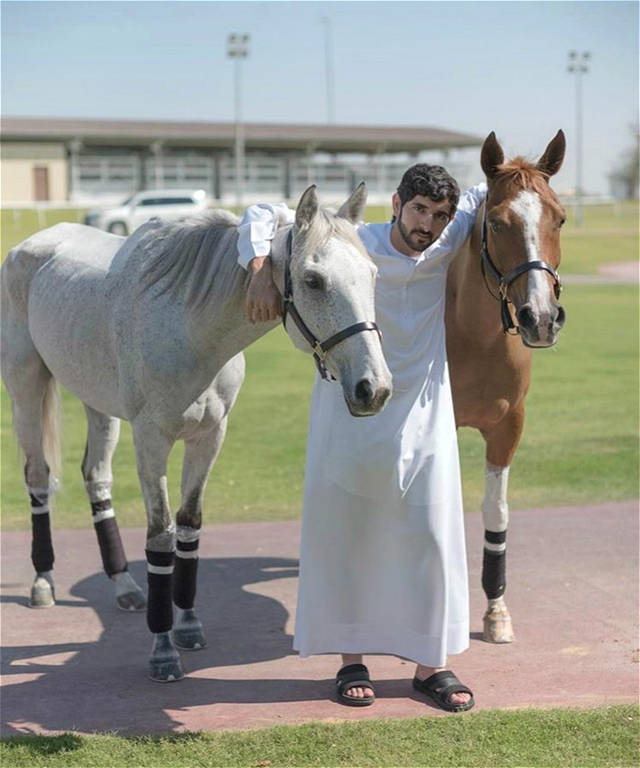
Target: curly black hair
(430, 181)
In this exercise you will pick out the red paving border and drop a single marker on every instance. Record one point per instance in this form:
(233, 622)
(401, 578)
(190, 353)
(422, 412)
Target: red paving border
(81, 666)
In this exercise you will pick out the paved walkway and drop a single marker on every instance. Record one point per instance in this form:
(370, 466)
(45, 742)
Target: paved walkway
(612, 273)
(81, 666)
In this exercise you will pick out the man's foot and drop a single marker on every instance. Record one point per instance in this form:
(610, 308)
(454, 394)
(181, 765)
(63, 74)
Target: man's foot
(443, 688)
(358, 692)
(353, 686)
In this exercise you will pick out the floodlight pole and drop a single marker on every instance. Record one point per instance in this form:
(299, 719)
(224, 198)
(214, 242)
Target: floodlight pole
(238, 49)
(579, 65)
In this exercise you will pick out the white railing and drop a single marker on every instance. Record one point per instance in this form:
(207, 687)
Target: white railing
(20, 209)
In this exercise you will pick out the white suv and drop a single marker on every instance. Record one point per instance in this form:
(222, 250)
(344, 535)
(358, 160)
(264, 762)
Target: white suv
(170, 204)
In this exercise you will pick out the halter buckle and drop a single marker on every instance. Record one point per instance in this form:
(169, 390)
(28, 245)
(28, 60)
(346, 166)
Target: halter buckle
(319, 352)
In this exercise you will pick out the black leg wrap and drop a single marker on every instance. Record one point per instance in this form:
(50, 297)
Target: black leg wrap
(109, 541)
(41, 544)
(186, 573)
(159, 605)
(184, 582)
(494, 564)
(494, 574)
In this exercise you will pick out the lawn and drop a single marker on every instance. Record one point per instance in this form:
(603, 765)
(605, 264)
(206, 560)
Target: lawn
(599, 738)
(579, 444)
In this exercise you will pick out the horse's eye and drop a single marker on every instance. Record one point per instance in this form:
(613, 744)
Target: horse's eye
(314, 281)
(496, 226)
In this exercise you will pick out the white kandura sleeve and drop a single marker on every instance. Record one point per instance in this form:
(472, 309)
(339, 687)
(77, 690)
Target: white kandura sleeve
(460, 228)
(257, 228)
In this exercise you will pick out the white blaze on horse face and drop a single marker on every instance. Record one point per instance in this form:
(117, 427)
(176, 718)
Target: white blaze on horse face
(528, 207)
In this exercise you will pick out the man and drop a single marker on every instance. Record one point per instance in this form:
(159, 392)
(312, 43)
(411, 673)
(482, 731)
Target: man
(383, 562)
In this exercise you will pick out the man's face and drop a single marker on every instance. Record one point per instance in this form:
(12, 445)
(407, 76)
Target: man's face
(421, 220)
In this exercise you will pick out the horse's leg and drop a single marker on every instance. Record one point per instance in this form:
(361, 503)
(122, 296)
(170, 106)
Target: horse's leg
(152, 451)
(102, 439)
(27, 423)
(502, 442)
(200, 455)
(35, 406)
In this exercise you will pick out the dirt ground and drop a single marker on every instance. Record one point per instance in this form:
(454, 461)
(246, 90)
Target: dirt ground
(81, 666)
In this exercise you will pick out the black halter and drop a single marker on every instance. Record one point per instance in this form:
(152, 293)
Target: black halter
(319, 348)
(504, 281)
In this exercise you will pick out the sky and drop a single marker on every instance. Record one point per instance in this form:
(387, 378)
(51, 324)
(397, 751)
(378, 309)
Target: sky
(465, 66)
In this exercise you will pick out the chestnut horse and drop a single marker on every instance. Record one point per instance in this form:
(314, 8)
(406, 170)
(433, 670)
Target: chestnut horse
(512, 256)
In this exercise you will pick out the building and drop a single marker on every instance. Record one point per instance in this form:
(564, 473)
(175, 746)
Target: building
(85, 162)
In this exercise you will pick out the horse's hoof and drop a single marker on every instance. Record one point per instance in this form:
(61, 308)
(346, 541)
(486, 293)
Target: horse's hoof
(497, 625)
(129, 596)
(132, 601)
(165, 665)
(42, 594)
(188, 632)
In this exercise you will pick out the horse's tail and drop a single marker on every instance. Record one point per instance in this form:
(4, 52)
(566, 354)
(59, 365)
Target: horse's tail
(51, 421)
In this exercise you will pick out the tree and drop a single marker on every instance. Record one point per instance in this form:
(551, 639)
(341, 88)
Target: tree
(625, 177)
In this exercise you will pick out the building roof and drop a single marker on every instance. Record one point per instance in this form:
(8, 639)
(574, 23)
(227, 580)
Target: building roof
(258, 136)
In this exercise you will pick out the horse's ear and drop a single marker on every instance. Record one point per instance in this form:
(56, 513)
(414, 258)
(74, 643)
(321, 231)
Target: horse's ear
(553, 156)
(491, 155)
(353, 208)
(307, 208)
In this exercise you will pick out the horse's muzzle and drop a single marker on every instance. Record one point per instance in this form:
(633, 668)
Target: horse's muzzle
(540, 329)
(367, 400)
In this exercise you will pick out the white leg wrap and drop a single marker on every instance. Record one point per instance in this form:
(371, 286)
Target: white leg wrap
(495, 510)
(186, 534)
(99, 490)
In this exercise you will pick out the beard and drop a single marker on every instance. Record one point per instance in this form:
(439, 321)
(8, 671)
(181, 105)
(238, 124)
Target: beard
(416, 239)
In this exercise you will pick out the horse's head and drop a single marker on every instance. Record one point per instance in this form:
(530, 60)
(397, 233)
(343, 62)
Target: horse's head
(523, 221)
(331, 291)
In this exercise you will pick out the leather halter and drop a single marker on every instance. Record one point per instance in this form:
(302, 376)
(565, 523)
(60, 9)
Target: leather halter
(319, 348)
(504, 281)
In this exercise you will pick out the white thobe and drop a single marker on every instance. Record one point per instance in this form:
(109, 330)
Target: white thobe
(382, 560)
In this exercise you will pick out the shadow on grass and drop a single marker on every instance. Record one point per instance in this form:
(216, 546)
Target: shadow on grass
(47, 745)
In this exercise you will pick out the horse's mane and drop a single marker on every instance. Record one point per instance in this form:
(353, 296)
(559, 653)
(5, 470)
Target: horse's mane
(326, 225)
(518, 173)
(197, 257)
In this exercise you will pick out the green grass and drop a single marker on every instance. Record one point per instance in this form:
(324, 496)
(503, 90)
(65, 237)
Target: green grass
(579, 443)
(18, 223)
(551, 738)
(580, 439)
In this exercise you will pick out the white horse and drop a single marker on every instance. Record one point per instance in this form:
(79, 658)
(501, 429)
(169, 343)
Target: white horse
(150, 329)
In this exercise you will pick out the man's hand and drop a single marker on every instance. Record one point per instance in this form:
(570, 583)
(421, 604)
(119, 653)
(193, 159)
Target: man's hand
(264, 302)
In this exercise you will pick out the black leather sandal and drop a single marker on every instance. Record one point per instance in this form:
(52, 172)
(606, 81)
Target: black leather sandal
(353, 676)
(439, 688)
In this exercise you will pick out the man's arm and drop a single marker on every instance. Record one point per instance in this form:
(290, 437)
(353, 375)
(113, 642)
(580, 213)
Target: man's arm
(460, 228)
(263, 301)
(255, 233)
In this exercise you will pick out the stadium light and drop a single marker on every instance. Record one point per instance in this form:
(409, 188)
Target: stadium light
(578, 65)
(238, 49)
